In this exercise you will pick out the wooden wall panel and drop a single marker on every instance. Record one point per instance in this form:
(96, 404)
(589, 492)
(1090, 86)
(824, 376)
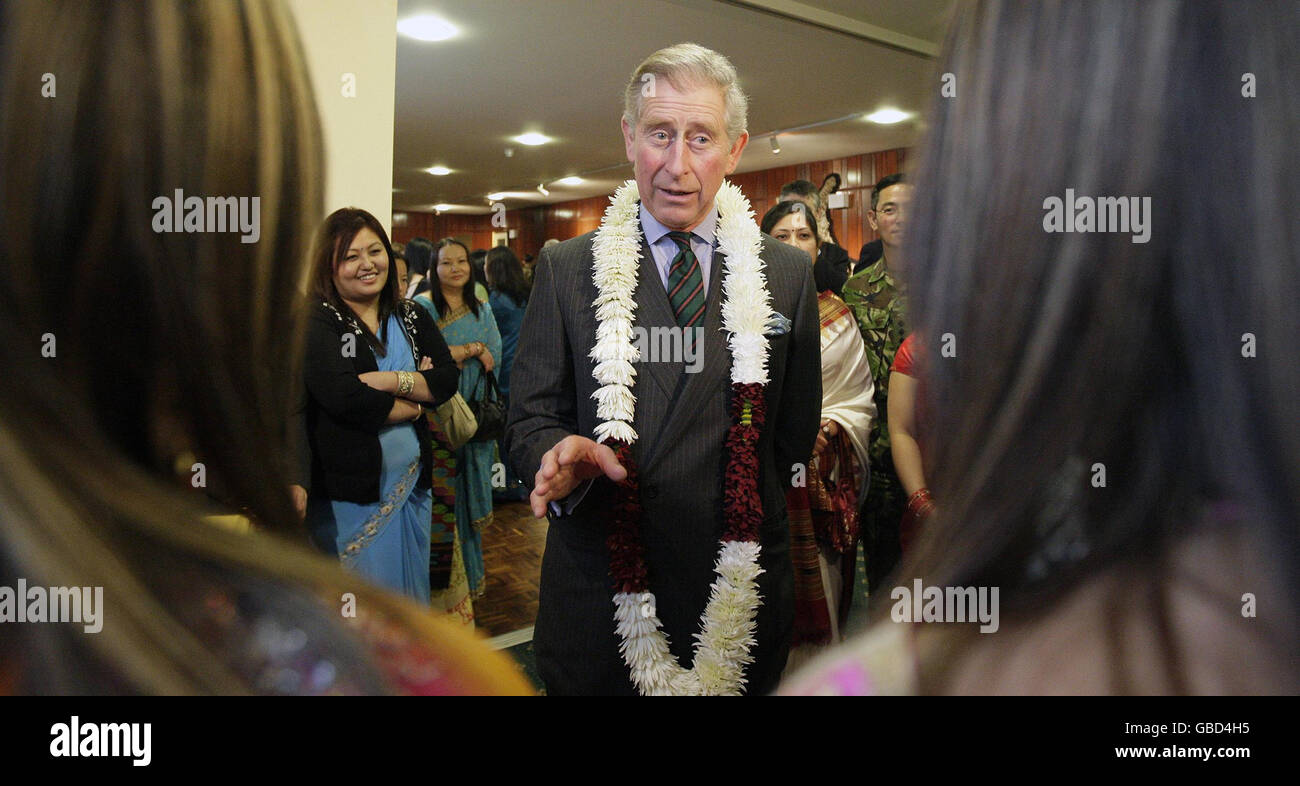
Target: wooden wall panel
(563, 220)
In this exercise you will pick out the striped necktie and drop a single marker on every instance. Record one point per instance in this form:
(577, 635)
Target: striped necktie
(686, 283)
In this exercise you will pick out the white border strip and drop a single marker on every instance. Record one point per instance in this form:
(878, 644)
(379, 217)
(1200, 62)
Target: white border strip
(511, 639)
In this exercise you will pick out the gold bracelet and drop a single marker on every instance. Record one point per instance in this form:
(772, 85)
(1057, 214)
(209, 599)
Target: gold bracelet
(405, 383)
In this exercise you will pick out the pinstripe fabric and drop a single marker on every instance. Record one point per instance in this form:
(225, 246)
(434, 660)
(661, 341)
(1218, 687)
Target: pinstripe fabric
(681, 420)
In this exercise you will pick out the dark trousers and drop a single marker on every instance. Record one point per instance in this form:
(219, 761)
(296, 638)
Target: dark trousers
(882, 511)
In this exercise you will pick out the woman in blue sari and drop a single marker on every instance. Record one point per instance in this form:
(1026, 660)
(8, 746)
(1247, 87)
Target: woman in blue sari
(471, 333)
(369, 500)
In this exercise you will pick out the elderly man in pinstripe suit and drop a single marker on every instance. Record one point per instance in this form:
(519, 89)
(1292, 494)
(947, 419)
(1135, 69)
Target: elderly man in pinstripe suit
(684, 130)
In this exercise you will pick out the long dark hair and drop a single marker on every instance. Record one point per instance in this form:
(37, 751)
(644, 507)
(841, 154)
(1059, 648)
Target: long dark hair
(1101, 407)
(333, 239)
(502, 266)
(435, 284)
(476, 258)
(419, 261)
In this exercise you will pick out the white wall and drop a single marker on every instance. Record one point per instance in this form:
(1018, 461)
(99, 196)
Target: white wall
(356, 37)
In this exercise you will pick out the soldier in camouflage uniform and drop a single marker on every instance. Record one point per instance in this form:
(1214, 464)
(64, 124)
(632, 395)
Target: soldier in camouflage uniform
(878, 302)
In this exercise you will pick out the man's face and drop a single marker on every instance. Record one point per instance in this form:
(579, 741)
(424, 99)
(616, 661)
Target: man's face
(680, 152)
(891, 209)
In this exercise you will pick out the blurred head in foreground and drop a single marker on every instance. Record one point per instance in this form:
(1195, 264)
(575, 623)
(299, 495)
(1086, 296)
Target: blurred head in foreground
(144, 349)
(1115, 442)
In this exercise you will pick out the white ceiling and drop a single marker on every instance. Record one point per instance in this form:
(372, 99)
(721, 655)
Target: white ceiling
(559, 66)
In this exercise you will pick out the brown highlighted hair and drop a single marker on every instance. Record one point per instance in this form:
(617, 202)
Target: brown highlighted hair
(125, 350)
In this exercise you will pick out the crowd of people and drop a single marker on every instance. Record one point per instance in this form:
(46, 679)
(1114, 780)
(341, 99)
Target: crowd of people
(1100, 446)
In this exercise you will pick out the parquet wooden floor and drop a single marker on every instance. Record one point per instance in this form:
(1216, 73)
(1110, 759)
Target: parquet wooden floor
(512, 558)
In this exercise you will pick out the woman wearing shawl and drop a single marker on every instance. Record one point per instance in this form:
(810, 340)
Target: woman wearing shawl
(823, 503)
(471, 332)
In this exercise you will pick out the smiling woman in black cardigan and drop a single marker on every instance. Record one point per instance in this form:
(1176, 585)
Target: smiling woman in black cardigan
(375, 365)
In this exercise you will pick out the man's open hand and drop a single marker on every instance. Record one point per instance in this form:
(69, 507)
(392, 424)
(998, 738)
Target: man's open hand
(573, 460)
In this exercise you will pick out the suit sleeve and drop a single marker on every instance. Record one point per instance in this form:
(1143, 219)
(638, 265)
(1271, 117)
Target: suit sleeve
(333, 383)
(444, 377)
(799, 414)
(543, 405)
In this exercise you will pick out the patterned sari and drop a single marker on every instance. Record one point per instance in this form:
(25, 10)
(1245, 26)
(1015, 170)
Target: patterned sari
(823, 511)
(474, 460)
(386, 541)
(446, 562)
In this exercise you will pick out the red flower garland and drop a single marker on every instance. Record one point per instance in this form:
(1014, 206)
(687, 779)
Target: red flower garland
(626, 552)
(742, 502)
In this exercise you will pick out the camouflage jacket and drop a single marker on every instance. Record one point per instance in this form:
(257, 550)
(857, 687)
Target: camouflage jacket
(880, 307)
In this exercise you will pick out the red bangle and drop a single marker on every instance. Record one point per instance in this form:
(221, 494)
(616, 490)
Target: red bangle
(920, 499)
(919, 507)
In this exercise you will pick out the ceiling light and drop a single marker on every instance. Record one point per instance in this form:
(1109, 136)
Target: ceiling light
(497, 197)
(542, 188)
(572, 180)
(427, 27)
(887, 116)
(441, 206)
(776, 146)
(532, 139)
(438, 170)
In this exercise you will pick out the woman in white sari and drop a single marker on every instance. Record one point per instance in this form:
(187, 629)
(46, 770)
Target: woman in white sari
(824, 508)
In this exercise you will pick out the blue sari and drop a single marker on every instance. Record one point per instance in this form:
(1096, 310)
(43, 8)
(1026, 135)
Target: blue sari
(385, 541)
(474, 460)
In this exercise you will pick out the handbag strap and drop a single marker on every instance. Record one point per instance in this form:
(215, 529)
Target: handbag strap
(492, 386)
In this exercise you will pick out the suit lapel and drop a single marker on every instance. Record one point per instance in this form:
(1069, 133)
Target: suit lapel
(653, 310)
(698, 387)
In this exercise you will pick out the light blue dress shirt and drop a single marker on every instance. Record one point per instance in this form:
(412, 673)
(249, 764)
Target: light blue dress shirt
(663, 249)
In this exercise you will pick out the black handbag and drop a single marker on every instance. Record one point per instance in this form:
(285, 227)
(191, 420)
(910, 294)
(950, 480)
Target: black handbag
(489, 411)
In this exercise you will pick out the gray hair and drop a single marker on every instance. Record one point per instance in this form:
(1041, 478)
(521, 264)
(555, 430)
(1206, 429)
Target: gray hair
(689, 64)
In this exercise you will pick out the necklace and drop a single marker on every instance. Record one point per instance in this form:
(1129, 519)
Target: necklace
(727, 628)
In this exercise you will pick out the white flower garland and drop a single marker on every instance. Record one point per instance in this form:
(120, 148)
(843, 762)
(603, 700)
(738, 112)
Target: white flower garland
(730, 618)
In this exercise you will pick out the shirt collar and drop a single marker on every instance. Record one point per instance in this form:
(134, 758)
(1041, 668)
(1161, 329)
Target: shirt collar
(876, 271)
(655, 231)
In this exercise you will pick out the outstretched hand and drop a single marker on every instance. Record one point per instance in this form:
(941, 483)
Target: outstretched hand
(573, 460)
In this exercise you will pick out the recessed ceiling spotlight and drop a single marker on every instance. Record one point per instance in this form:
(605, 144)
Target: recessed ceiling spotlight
(572, 180)
(497, 197)
(441, 206)
(776, 146)
(532, 139)
(542, 188)
(427, 27)
(887, 116)
(438, 170)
